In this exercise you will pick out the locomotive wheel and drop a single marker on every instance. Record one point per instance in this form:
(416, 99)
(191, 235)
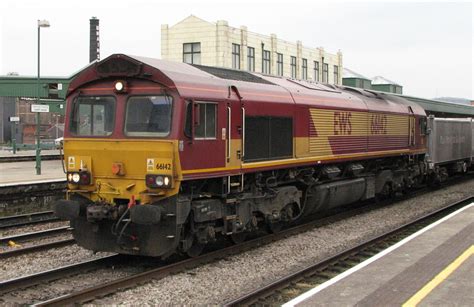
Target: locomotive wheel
(195, 249)
(238, 237)
(274, 227)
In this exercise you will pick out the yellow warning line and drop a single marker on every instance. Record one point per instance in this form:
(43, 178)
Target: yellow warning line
(438, 279)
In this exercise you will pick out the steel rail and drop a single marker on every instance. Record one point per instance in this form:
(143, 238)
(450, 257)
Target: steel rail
(34, 235)
(27, 219)
(267, 290)
(54, 274)
(35, 248)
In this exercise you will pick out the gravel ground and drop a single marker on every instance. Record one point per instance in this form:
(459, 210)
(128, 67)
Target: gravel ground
(64, 286)
(45, 260)
(31, 228)
(223, 280)
(33, 242)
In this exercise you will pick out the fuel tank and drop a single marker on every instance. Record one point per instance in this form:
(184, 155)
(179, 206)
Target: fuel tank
(325, 196)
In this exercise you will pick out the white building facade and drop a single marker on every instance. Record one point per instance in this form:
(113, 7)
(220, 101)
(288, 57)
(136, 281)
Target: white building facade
(197, 41)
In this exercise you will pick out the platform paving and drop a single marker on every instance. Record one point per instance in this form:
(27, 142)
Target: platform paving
(405, 272)
(457, 289)
(25, 172)
(27, 153)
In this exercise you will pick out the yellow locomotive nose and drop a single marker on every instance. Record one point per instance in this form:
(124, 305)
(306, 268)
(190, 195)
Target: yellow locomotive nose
(146, 169)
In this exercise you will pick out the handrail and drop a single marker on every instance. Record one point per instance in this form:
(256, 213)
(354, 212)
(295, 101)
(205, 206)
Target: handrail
(229, 135)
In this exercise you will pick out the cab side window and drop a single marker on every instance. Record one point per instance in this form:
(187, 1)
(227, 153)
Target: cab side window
(204, 120)
(206, 125)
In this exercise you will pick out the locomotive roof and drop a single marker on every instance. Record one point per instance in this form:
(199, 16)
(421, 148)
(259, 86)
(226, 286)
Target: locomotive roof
(204, 82)
(232, 74)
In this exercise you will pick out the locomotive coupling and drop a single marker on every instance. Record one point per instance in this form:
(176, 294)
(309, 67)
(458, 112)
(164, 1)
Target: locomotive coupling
(102, 211)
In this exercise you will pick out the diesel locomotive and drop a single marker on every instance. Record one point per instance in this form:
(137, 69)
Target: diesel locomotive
(164, 157)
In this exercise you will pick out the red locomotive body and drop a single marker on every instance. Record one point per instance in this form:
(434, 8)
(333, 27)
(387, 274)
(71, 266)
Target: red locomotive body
(238, 150)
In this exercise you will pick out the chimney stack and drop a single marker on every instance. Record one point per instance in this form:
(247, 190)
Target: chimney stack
(94, 46)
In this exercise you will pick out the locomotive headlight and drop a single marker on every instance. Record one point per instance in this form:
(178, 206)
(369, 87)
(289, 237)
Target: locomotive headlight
(76, 177)
(119, 86)
(159, 181)
(82, 178)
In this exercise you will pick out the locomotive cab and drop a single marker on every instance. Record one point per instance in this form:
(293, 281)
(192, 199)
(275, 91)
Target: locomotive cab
(121, 153)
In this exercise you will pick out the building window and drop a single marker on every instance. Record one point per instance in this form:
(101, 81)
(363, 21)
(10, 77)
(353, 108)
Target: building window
(250, 59)
(279, 64)
(206, 129)
(235, 56)
(293, 67)
(266, 62)
(325, 72)
(304, 72)
(336, 74)
(316, 71)
(192, 53)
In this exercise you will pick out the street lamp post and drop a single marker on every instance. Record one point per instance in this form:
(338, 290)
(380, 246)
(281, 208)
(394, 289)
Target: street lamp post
(41, 24)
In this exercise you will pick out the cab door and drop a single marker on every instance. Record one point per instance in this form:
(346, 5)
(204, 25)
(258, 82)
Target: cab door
(235, 139)
(205, 152)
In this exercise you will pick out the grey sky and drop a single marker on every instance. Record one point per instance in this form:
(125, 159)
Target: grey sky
(426, 47)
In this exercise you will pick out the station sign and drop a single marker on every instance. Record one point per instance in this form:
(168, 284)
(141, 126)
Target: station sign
(41, 108)
(14, 119)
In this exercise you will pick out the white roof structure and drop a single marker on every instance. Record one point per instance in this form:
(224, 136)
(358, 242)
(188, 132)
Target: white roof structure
(347, 73)
(381, 80)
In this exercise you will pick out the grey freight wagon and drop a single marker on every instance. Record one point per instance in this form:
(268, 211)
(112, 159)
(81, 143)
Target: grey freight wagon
(450, 144)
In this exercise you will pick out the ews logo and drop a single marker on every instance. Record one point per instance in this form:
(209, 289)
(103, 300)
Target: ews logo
(342, 123)
(378, 124)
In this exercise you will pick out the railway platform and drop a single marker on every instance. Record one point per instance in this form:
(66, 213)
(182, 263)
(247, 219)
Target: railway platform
(20, 173)
(28, 153)
(432, 267)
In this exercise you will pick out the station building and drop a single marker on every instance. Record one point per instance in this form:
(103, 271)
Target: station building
(353, 79)
(18, 93)
(382, 84)
(378, 83)
(196, 41)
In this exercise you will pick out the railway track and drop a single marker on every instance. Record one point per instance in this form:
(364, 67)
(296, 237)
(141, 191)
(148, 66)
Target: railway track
(57, 273)
(27, 219)
(159, 272)
(36, 248)
(34, 235)
(292, 285)
(106, 288)
(89, 294)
